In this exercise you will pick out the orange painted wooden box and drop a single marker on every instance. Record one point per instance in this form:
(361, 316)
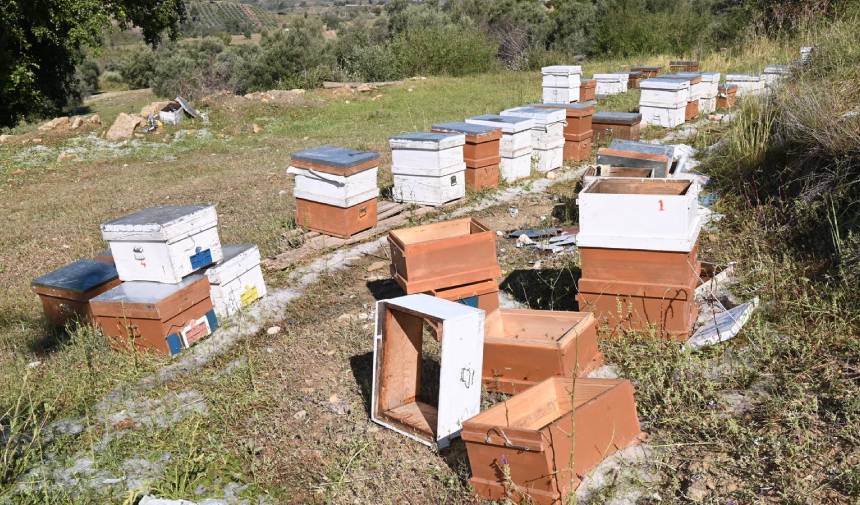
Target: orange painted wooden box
(587, 89)
(727, 95)
(156, 317)
(537, 446)
(648, 71)
(619, 125)
(630, 265)
(66, 292)
(684, 66)
(523, 347)
(342, 222)
(578, 148)
(481, 178)
(443, 255)
(481, 295)
(692, 110)
(480, 152)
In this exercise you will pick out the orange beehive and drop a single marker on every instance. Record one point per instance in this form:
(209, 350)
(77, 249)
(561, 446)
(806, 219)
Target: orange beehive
(537, 446)
(727, 95)
(66, 292)
(692, 110)
(647, 71)
(587, 89)
(342, 222)
(577, 132)
(480, 152)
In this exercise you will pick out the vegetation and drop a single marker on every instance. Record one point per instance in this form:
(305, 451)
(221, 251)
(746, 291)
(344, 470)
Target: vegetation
(211, 18)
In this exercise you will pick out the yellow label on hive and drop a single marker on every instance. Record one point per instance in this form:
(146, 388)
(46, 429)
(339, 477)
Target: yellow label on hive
(249, 295)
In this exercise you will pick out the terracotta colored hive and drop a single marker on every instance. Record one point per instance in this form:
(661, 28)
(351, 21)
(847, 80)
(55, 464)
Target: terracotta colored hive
(635, 77)
(587, 90)
(692, 110)
(727, 96)
(532, 437)
(577, 132)
(66, 292)
(621, 125)
(647, 71)
(342, 222)
(684, 66)
(481, 295)
(480, 152)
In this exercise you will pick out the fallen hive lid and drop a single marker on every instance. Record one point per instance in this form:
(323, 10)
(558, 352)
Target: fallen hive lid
(622, 118)
(160, 223)
(426, 140)
(237, 260)
(508, 124)
(483, 131)
(79, 277)
(338, 159)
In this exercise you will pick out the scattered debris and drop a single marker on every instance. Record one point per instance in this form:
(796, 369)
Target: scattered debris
(533, 233)
(524, 240)
(725, 326)
(153, 108)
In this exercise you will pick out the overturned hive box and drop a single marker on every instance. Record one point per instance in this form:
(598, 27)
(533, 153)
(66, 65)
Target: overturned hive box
(405, 397)
(523, 347)
(156, 317)
(537, 446)
(621, 125)
(443, 255)
(237, 280)
(481, 152)
(588, 90)
(482, 295)
(66, 292)
(164, 244)
(335, 189)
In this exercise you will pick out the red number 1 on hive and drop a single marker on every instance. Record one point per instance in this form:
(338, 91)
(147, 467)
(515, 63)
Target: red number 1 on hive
(661, 205)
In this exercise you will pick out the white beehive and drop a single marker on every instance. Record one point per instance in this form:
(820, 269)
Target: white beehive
(634, 213)
(334, 182)
(428, 168)
(666, 117)
(547, 134)
(611, 84)
(748, 85)
(396, 401)
(164, 244)
(659, 92)
(561, 83)
(708, 101)
(237, 280)
(773, 74)
(515, 146)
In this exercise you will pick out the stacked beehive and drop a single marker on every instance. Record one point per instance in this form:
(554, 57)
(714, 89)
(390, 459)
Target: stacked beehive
(698, 89)
(648, 71)
(774, 74)
(547, 134)
(638, 249)
(237, 280)
(620, 125)
(480, 152)
(578, 133)
(727, 95)
(747, 85)
(663, 102)
(634, 77)
(684, 66)
(561, 83)
(708, 100)
(611, 84)
(515, 147)
(587, 91)
(335, 189)
(428, 168)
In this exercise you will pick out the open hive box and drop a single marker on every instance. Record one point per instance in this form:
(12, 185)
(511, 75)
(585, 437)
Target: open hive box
(524, 347)
(405, 397)
(539, 444)
(441, 255)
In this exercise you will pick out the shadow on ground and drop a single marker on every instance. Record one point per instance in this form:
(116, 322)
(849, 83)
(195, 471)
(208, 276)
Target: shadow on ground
(549, 289)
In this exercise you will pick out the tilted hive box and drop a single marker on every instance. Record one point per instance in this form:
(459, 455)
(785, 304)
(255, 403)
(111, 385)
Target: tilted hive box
(156, 317)
(400, 398)
(335, 189)
(547, 134)
(66, 292)
(747, 85)
(663, 102)
(482, 295)
(561, 83)
(647, 148)
(516, 144)
(443, 255)
(611, 84)
(578, 133)
(481, 152)
(537, 446)
(428, 168)
(523, 347)
(237, 280)
(618, 125)
(164, 244)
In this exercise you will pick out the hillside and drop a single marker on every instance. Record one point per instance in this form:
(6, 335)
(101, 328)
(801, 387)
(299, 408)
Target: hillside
(209, 16)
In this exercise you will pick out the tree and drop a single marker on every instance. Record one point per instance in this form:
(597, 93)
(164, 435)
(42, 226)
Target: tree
(42, 42)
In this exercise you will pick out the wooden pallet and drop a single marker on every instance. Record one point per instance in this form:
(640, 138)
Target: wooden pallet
(389, 216)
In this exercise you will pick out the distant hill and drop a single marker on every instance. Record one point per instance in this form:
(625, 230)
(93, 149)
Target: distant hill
(210, 16)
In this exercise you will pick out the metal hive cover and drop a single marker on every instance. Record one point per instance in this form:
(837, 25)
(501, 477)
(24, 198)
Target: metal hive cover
(80, 276)
(616, 117)
(463, 127)
(642, 147)
(145, 291)
(335, 156)
(155, 216)
(424, 136)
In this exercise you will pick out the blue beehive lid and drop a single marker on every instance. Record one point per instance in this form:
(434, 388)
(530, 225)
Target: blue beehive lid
(334, 156)
(625, 118)
(463, 127)
(80, 276)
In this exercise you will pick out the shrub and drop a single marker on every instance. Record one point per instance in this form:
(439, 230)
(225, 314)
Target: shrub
(87, 75)
(448, 50)
(138, 68)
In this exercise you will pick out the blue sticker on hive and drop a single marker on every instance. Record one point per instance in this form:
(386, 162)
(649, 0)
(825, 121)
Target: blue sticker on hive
(201, 259)
(471, 301)
(174, 344)
(213, 321)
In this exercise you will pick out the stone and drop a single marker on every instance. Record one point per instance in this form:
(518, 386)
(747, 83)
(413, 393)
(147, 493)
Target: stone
(65, 156)
(153, 108)
(300, 415)
(123, 127)
(57, 122)
(95, 119)
(273, 330)
(77, 122)
(377, 265)
(6, 138)
(257, 128)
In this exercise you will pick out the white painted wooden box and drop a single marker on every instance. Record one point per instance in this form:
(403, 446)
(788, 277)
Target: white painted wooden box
(337, 190)
(396, 399)
(519, 167)
(667, 117)
(560, 95)
(429, 187)
(426, 151)
(561, 76)
(164, 244)
(549, 158)
(748, 85)
(237, 280)
(657, 92)
(635, 213)
(773, 74)
(516, 138)
(611, 84)
(713, 81)
(547, 134)
(707, 105)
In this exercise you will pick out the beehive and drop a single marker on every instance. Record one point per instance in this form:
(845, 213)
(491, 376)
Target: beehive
(428, 168)
(237, 280)
(587, 90)
(648, 71)
(658, 163)
(547, 134)
(634, 77)
(481, 152)
(684, 66)
(164, 244)
(611, 84)
(621, 125)
(156, 317)
(561, 83)
(747, 85)
(663, 102)
(727, 96)
(577, 130)
(335, 189)
(66, 292)
(633, 146)
(515, 147)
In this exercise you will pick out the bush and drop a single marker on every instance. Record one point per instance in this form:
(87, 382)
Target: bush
(447, 50)
(138, 68)
(87, 75)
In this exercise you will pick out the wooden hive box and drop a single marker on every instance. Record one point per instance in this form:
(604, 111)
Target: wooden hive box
(400, 399)
(547, 134)
(481, 152)
(646, 214)
(547, 438)
(335, 189)
(237, 280)
(561, 83)
(515, 147)
(640, 266)
(684, 66)
(691, 112)
(104, 255)
(727, 96)
(659, 164)
(634, 78)
(443, 255)
(482, 295)
(578, 116)
(621, 125)
(428, 168)
(66, 292)
(524, 347)
(578, 150)
(156, 317)
(588, 90)
(648, 71)
(164, 244)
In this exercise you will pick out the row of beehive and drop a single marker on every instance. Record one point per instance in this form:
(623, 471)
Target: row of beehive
(163, 284)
